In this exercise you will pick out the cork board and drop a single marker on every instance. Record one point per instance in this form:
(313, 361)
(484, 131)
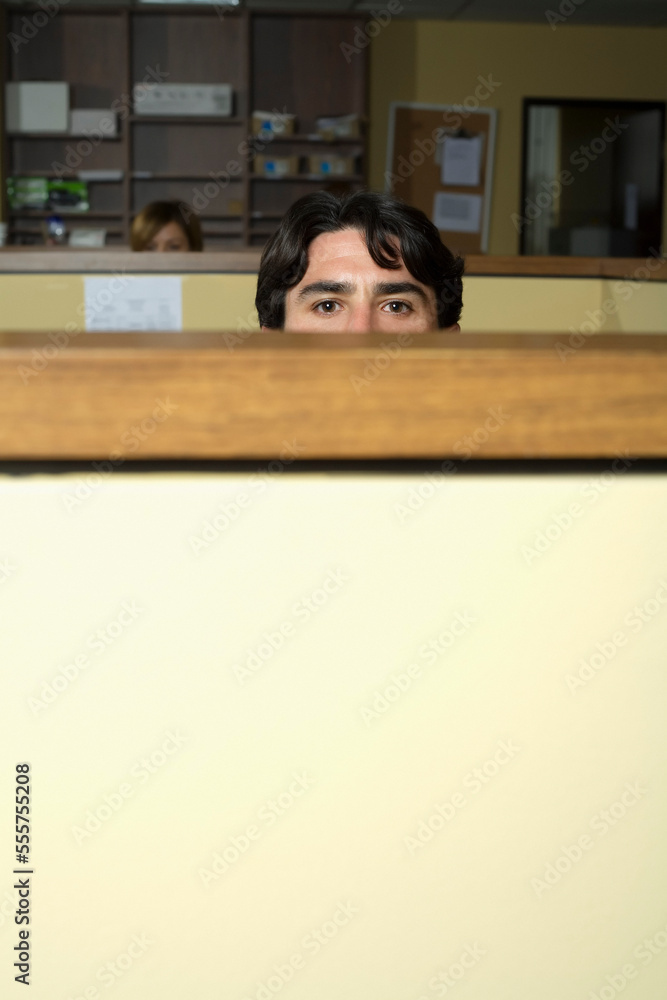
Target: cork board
(415, 148)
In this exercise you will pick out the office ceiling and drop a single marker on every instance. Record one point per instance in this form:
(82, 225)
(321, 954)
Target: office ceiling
(625, 13)
(621, 13)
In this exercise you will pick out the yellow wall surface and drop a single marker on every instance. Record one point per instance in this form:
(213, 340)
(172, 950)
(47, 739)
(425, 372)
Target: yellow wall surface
(441, 62)
(51, 301)
(491, 304)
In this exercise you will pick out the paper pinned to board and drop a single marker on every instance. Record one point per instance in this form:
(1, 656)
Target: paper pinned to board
(457, 213)
(461, 161)
(129, 304)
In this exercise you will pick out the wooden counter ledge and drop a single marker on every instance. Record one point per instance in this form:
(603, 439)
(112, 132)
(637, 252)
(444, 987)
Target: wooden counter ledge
(29, 260)
(337, 396)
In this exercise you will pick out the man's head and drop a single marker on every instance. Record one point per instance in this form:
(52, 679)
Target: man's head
(363, 262)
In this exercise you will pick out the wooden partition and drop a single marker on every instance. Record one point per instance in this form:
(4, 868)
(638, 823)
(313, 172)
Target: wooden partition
(30, 260)
(223, 396)
(353, 730)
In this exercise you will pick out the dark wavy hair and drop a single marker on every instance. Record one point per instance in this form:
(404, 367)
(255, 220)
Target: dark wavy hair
(380, 219)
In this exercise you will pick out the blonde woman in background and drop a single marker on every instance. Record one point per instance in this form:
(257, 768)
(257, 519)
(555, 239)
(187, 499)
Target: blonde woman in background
(165, 226)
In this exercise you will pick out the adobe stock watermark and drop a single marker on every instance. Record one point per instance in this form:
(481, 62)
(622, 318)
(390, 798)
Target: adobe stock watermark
(31, 25)
(201, 198)
(453, 121)
(371, 29)
(606, 649)
(466, 447)
(60, 339)
(130, 440)
(123, 107)
(98, 643)
(446, 979)
(230, 511)
(581, 158)
(596, 318)
(591, 491)
(566, 9)
(651, 947)
(381, 361)
(139, 774)
(238, 845)
(245, 329)
(115, 969)
(255, 658)
(222, 9)
(310, 945)
(8, 908)
(247, 326)
(7, 569)
(600, 824)
(401, 681)
(471, 785)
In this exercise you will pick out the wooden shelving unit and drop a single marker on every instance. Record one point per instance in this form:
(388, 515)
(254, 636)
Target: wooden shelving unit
(287, 62)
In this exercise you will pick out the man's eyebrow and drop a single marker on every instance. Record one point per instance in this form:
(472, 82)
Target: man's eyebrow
(399, 288)
(328, 287)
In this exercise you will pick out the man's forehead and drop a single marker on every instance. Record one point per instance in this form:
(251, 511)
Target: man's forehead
(344, 243)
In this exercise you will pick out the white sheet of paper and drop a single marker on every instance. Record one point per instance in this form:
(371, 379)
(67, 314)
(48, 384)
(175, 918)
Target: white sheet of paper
(129, 304)
(457, 213)
(461, 161)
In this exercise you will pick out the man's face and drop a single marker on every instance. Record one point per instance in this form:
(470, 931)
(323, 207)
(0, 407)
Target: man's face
(345, 291)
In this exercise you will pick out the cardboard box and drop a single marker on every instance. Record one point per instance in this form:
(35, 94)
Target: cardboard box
(339, 127)
(331, 166)
(183, 99)
(37, 107)
(270, 123)
(100, 121)
(276, 166)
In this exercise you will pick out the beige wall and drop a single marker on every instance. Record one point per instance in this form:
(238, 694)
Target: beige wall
(134, 608)
(439, 62)
(51, 301)
(491, 304)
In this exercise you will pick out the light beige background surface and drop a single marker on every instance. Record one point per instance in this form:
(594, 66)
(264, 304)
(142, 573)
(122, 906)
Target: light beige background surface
(49, 302)
(129, 878)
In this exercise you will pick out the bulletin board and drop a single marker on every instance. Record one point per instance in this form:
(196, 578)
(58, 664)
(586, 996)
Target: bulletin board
(450, 182)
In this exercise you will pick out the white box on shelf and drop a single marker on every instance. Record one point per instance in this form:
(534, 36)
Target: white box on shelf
(100, 175)
(84, 121)
(87, 237)
(183, 99)
(37, 107)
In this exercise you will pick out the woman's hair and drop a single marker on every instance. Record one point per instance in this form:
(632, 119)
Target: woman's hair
(392, 230)
(158, 214)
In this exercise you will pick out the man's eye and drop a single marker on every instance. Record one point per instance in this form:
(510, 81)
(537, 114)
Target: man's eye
(396, 307)
(327, 307)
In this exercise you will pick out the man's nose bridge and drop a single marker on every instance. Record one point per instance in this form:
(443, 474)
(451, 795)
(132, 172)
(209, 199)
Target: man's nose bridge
(361, 318)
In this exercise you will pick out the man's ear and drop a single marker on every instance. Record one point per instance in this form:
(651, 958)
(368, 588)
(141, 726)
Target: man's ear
(453, 329)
